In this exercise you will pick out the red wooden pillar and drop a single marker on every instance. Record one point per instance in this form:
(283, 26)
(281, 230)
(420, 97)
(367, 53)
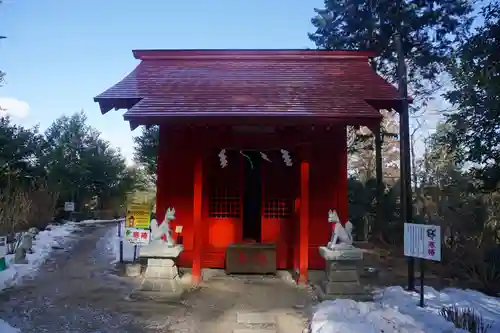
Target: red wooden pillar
(342, 190)
(197, 222)
(161, 173)
(296, 232)
(304, 222)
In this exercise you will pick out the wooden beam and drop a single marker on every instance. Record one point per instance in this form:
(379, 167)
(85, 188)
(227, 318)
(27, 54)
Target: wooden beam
(304, 222)
(343, 198)
(133, 125)
(161, 172)
(197, 219)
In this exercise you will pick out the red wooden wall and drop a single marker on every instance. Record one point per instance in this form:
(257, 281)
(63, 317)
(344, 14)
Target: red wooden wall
(279, 191)
(328, 190)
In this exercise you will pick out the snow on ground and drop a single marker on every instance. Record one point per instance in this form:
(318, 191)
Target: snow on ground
(85, 222)
(114, 244)
(54, 235)
(396, 310)
(6, 328)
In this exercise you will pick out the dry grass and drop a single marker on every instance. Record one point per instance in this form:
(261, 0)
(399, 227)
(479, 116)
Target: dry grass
(392, 268)
(21, 209)
(15, 207)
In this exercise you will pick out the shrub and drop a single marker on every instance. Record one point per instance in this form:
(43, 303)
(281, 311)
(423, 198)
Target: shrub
(466, 319)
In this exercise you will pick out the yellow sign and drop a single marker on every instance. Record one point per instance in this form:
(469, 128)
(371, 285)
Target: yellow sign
(138, 216)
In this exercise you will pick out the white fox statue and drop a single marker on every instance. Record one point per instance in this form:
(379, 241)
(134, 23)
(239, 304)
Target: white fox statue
(341, 236)
(161, 232)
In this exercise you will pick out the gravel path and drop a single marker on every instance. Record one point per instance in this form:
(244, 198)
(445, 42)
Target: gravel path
(77, 291)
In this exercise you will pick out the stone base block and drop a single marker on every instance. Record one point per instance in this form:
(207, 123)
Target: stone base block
(162, 276)
(341, 253)
(162, 285)
(336, 290)
(161, 272)
(160, 262)
(342, 276)
(160, 250)
(20, 261)
(133, 270)
(341, 288)
(342, 265)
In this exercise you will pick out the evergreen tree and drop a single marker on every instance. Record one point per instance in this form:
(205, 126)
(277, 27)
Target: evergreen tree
(430, 32)
(2, 74)
(476, 95)
(146, 150)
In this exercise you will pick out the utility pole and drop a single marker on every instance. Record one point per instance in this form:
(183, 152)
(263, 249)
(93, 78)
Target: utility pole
(404, 144)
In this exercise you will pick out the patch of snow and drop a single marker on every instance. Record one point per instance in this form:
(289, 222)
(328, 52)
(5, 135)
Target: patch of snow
(53, 236)
(6, 328)
(100, 221)
(396, 310)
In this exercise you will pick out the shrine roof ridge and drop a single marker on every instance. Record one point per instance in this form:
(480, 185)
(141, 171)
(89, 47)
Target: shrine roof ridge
(249, 54)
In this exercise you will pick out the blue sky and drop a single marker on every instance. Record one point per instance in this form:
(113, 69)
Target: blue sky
(60, 54)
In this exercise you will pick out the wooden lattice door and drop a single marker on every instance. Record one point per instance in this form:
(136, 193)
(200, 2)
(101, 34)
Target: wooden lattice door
(223, 213)
(279, 193)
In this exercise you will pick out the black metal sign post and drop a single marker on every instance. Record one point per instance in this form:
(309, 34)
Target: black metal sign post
(121, 241)
(422, 283)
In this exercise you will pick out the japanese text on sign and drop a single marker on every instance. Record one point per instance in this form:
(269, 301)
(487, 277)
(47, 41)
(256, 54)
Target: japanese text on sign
(69, 206)
(138, 236)
(138, 216)
(422, 241)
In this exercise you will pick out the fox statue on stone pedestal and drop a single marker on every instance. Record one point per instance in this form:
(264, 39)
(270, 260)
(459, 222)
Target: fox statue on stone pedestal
(161, 232)
(341, 236)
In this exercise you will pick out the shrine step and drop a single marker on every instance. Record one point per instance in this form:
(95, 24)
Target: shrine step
(255, 322)
(251, 318)
(254, 330)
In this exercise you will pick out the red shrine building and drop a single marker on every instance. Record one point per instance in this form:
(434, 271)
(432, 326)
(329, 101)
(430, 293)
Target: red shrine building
(252, 144)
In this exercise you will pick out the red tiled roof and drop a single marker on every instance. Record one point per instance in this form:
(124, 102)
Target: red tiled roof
(329, 84)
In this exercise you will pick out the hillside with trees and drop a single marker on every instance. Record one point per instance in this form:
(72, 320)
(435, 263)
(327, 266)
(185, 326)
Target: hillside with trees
(456, 180)
(68, 162)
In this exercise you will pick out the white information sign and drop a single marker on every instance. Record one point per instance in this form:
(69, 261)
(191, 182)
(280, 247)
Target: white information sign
(138, 236)
(69, 206)
(422, 241)
(3, 246)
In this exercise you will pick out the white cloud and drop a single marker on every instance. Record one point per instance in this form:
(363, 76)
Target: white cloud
(13, 107)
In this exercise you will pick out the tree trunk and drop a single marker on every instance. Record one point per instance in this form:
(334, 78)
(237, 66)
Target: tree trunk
(414, 175)
(379, 179)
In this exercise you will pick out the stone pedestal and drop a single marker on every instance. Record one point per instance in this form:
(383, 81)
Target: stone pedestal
(341, 274)
(133, 270)
(160, 250)
(161, 273)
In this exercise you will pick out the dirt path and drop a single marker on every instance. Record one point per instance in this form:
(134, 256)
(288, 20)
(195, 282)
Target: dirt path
(76, 291)
(244, 304)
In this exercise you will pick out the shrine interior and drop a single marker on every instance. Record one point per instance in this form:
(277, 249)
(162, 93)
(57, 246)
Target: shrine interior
(252, 196)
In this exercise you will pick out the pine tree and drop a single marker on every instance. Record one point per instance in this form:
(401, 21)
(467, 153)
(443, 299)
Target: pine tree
(146, 150)
(430, 32)
(476, 78)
